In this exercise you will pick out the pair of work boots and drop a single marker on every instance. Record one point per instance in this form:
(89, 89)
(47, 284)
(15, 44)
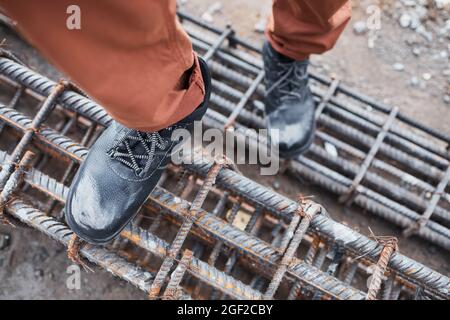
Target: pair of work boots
(124, 165)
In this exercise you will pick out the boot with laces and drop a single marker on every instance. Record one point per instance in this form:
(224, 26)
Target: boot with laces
(119, 173)
(289, 103)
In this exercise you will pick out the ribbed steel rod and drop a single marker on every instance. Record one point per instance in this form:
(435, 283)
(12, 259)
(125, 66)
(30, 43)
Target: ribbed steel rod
(377, 203)
(307, 215)
(375, 284)
(282, 206)
(369, 120)
(83, 152)
(92, 109)
(12, 104)
(197, 268)
(41, 180)
(348, 195)
(232, 75)
(149, 242)
(408, 140)
(229, 235)
(177, 276)
(244, 178)
(14, 115)
(61, 233)
(321, 78)
(34, 127)
(185, 228)
(95, 111)
(13, 183)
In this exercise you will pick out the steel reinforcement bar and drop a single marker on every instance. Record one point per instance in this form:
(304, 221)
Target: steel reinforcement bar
(405, 170)
(402, 185)
(244, 187)
(39, 87)
(231, 236)
(63, 145)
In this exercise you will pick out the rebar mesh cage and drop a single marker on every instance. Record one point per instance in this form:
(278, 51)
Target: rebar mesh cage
(209, 232)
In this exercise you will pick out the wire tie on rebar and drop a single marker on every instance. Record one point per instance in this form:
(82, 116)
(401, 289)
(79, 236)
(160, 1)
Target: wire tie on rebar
(229, 163)
(348, 196)
(390, 246)
(3, 218)
(31, 129)
(7, 54)
(73, 87)
(73, 252)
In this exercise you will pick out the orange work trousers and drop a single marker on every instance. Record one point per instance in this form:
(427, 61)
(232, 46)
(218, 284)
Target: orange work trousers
(134, 58)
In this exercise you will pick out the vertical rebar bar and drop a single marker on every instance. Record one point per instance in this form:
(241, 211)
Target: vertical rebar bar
(218, 247)
(348, 195)
(14, 181)
(387, 288)
(250, 91)
(215, 47)
(176, 277)
(309, 258)
(307, 215)
(40, 117)
(390, 246)
(185, 228)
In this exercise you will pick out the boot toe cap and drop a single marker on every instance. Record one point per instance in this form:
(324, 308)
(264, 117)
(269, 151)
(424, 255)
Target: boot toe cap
(88, 218)
(293, 132)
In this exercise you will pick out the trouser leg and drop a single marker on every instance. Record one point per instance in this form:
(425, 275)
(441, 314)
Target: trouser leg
(298, 28)
(132, 57)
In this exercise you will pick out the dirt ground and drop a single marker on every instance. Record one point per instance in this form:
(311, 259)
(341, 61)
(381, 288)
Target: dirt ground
(33, 267)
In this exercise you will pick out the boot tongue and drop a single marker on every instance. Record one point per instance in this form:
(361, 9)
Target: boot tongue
(139, 148)
(280, 57)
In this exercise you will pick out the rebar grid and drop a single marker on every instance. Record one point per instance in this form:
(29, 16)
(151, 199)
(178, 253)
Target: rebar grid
(246, 248)
(412, 142)
(183, 232)
(375, 202)
(421, 151)
(59, 192)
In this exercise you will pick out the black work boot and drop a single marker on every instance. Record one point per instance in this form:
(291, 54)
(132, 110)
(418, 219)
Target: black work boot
(119, 173)
(289, 103)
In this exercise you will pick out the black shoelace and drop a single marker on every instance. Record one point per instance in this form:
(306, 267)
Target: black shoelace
(292, 78)
(124, 150)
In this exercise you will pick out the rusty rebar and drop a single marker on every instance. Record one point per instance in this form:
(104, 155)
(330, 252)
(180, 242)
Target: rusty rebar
(172, 289)
(378, 205)
(13, 183)
(309, 258)
(389, 247)
(307, 214)
(88, 110)
(38, 119)
(42, 183)
(191, 216)
(218, 247)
